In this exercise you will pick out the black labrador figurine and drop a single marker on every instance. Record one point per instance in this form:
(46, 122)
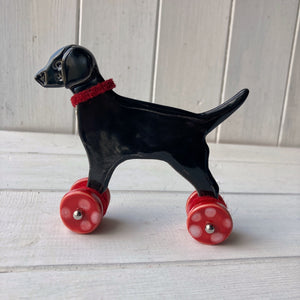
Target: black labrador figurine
(114, 128)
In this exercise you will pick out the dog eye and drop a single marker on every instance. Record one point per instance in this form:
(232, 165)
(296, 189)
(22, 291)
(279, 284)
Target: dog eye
(57, 65)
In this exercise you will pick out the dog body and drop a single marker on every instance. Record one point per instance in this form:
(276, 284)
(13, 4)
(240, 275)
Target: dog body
(114, 128)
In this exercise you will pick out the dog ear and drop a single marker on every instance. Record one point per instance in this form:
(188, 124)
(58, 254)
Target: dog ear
(77, 66)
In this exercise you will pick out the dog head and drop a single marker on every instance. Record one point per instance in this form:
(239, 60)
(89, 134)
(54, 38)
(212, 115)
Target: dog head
(68, 67)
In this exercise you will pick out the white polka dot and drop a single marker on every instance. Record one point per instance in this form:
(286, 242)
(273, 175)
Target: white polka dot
(227, 223)
(84, 204)
(196, 217)
(95, 217)
(210, 212)
(85, 225)
(217, 237)
(65, 213)
(195, 231)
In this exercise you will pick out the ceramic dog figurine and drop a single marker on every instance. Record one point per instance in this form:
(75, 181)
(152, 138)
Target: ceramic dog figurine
(114, 128)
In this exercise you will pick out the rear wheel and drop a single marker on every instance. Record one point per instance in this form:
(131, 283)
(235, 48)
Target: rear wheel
(208, 220)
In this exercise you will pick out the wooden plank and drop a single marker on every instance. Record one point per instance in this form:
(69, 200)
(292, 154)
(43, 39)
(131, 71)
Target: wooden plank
(121, 35)
(42, 143)
(58, 172)
(32, 31)
(191, 54)
(142, 227)
(252, 153)
(260, 48)
(291, 126)
(29, 142)
(278, 279)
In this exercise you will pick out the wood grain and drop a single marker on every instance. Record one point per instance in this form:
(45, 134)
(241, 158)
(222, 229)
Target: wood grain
(278, 279)
(259, 56)
(291, 126)
(48, 143)
(31, 161)
(121, 34)
(191, 54)
(142, 227)
(58, 172)
(31, 31)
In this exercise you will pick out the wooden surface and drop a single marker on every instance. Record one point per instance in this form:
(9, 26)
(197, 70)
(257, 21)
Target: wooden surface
(291, 121)
(257, 60)
(121, 34)
(190, 54)
(31, 31)
(142, 249)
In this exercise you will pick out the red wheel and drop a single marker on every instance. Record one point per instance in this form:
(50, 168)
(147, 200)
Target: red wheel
(195, 199)
(105, 197)
(81, 183)
(81, 210)
(208, 221)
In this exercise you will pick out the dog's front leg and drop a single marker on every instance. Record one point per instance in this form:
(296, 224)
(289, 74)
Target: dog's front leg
(100, 172)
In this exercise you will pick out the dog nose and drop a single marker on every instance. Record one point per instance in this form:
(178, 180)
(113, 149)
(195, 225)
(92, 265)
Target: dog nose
(41, 78)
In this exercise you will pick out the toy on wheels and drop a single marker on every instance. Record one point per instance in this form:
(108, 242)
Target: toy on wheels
(114, 128)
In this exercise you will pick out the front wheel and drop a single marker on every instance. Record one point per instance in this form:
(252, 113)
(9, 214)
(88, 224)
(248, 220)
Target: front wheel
(105, 196)
(81, 210)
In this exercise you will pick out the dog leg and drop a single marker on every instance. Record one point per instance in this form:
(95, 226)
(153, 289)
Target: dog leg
(195, 169)
(100, 173)
(99, 179)
(203, 181)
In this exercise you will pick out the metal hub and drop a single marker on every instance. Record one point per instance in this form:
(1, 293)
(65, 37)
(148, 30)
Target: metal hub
(77, 215)
(209, 228)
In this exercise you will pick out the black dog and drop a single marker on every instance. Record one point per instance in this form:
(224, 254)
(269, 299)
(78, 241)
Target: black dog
(115, 128)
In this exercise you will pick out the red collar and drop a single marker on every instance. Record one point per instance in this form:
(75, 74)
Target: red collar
(92, 92)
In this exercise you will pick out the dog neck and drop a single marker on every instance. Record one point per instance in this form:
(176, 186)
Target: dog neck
(92, 92)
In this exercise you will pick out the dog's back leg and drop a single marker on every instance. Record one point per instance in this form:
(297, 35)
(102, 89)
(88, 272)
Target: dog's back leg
(200, 178)
(194, 167)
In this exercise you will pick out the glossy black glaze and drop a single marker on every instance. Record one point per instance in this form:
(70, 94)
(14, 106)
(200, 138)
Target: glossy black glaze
(115, 128)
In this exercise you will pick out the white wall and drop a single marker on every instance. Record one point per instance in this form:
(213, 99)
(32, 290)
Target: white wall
(192, 54)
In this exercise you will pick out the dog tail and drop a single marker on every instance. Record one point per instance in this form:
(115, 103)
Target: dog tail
(218, 114)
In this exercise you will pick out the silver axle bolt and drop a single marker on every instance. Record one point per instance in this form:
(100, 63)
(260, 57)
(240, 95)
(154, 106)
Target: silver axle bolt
(209, 228)
(77, 215)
